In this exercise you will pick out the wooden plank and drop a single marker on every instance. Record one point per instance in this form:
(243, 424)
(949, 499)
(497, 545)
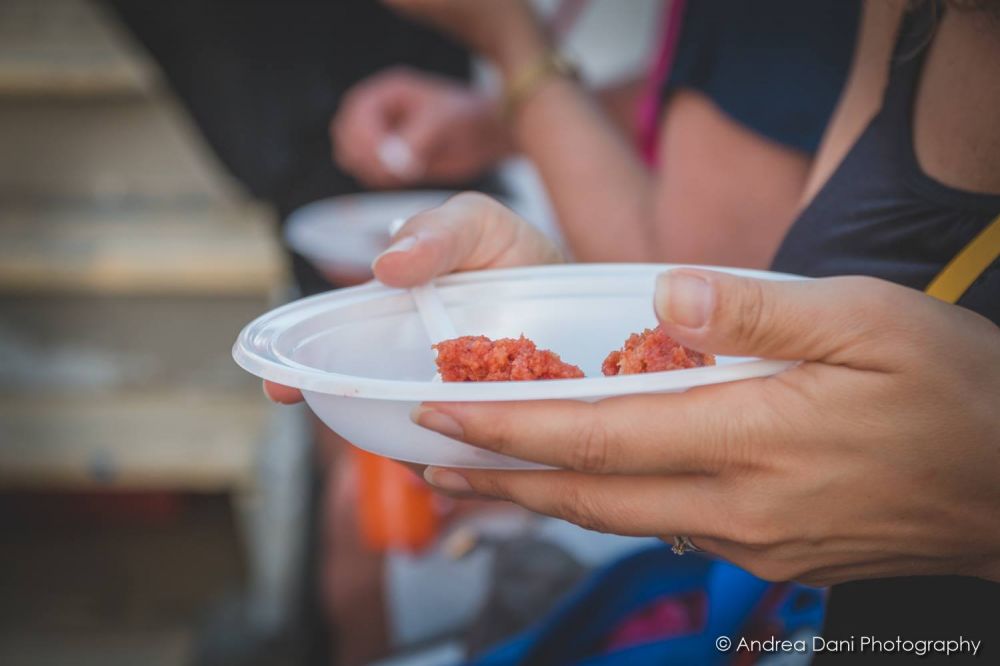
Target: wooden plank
(31, 78)
(181, 251)
(105, 153)
(66, 48)
(86, 344)
(175, 440)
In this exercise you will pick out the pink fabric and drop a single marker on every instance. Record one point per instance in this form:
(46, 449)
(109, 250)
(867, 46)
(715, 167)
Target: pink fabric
(666, 618)
(649, 105)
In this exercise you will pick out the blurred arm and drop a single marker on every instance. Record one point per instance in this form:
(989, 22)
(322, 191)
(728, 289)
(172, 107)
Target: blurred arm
(729, 194)
(601, 191)
(619, 101)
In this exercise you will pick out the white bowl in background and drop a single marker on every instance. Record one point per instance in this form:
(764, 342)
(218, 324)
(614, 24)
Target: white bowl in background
(342, 235)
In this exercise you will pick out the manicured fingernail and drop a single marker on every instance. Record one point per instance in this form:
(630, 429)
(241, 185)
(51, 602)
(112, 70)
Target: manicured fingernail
(439, 422)
(684, 299)
(446, 479)
(404, 244)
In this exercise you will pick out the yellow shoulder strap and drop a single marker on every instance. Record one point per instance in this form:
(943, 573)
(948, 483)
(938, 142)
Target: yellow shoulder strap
(968, 265)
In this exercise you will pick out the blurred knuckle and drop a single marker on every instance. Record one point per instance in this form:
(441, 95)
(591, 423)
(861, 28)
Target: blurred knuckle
(491, 485)
(590, 451)
(734, 445)
(725, 444)
(750, 313)
(578, 508)
(500, 434)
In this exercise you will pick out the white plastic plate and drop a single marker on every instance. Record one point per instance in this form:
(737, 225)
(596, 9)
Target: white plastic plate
(363, 360)
(342, 235)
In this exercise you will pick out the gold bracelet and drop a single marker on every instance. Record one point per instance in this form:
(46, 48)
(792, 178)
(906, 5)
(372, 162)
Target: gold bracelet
(527, 81)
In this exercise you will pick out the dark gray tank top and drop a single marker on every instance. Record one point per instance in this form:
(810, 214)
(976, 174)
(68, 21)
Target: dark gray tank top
(879, 214)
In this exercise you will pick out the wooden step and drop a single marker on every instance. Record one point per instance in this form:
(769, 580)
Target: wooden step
(171, 440)
(105, 151)
(66, 48)
(136, 250)
(72, 343)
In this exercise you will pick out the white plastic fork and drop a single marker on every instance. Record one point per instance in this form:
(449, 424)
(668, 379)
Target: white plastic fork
(437, 323)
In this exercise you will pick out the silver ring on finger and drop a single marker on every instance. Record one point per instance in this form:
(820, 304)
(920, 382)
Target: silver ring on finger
(683, 544)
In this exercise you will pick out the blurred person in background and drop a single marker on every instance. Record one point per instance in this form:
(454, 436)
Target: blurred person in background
(704, 161)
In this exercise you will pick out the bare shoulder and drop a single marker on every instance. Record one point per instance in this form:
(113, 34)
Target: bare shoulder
(956, 133)
(863, 92)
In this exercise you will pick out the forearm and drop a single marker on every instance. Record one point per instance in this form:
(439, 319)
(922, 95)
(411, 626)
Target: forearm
(601, 192)
(620, 101)
(597, 184)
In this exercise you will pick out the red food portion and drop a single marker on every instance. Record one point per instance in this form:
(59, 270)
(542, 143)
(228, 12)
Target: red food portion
(476, 358)
(653, 351)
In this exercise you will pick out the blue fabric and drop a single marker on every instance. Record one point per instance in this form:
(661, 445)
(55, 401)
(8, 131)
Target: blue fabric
(775, 66)
(575, 632)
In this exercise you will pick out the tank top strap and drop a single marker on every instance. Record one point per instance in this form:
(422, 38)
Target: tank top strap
(915, 35)
(895, 118)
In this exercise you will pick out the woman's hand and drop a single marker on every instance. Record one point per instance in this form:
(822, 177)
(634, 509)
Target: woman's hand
(401, 127)
(468, 232)
(878, 455)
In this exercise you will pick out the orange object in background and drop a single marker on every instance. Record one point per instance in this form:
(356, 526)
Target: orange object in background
(396, 510)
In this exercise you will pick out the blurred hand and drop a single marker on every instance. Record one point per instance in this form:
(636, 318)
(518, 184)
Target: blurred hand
(468, 232)
(402, 127)
(877, 456)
